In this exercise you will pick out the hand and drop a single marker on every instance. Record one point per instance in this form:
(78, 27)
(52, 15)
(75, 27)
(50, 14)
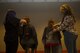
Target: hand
(57, 25)
(54, 30)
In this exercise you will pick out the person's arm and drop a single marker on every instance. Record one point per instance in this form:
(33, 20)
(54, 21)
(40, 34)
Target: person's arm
(65, 24)
(35, 36)
(44, 36)
(21, 31)
(13, 20)
(67, 21)
(22, 28)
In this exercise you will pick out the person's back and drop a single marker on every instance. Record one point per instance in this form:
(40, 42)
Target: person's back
(11, 31)
(11, 25)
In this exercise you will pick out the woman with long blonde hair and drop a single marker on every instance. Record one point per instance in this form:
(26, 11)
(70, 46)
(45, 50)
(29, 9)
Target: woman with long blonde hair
(67, 26)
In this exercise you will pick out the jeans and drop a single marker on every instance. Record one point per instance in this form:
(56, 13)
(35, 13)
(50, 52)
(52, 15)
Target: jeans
(11, 47)
(70, 42)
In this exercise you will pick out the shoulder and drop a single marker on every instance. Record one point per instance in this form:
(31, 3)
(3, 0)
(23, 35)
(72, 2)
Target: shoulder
(69, 17)
(31, 26)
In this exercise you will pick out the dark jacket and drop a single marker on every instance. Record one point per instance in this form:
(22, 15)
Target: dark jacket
(28, 32)
(11, 25)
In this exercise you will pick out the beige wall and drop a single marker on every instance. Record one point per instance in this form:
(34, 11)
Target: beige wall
(40, 13)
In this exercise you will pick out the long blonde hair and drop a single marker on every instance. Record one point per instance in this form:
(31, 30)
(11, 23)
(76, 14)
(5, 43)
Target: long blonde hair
(68, 11)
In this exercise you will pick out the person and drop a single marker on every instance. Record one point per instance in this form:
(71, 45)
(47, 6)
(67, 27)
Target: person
(28, 36)
(51, 40)
(68, 29)
(11, 25)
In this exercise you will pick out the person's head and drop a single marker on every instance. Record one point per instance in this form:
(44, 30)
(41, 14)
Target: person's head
(65, 9)
(11, 13)
(50, 23)
(27, 18)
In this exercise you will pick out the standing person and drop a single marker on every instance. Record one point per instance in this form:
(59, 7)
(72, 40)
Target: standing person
(51, 40)
(11, 25)
(28, 36)
(67, 26)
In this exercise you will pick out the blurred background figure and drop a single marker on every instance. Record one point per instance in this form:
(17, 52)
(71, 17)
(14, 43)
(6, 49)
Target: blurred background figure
(11, 25)
(28, 36)
(67, 26)
(51, 40)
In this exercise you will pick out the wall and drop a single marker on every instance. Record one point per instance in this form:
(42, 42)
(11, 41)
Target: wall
(40, 13)
(38, 0)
